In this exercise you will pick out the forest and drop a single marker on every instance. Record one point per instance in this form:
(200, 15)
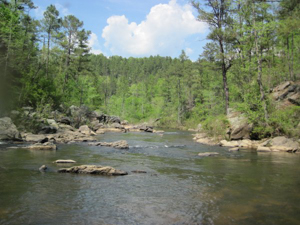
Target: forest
(253, 47)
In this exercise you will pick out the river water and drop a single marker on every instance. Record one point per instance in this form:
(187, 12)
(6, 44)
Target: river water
(179, 187)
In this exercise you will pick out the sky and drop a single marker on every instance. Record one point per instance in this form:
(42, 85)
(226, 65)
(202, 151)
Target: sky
(137, 28)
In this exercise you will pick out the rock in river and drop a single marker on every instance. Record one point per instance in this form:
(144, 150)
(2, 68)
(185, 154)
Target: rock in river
(92, 169)
(43, 168)
(208, 154)
(64, 161)
(42, 146)
(117, 144)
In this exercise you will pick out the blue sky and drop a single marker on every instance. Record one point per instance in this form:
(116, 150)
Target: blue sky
(136, 28)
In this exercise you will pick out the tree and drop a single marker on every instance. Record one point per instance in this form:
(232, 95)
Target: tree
(51, 23)
(219, 19)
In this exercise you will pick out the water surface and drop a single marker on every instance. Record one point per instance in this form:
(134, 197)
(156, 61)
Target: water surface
(179, 187)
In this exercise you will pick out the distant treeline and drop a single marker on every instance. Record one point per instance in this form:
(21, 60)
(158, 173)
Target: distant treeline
(254, 46)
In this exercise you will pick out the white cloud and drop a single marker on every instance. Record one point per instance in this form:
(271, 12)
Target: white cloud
(94, 44)
(163, 32)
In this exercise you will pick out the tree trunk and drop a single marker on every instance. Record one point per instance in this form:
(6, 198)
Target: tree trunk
(224, 74)
(259, 71)
(48, 53)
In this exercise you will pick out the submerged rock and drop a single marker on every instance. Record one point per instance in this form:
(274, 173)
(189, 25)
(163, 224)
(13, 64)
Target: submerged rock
(139, 171)
(92, 169)
(204, 154)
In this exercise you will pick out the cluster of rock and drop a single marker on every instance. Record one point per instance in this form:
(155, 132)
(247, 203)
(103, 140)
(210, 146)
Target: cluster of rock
(92, 169)
(117, 144)
(76, 124)
(276, 144)
(86, 169)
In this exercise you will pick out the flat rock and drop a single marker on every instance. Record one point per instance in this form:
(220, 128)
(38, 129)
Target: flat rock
(93, 169)
(208, 154)
(229, 143)
(263, 149)
(117, 144)
(234, 149)
(64, 161)
(42, 146)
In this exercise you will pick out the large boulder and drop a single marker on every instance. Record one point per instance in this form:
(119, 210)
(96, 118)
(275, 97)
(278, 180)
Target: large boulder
(85, 130)
(65, 120)
(92, 169)
(79, 115)
(239, 126)
(114, 119)
(48, 130)
(34, 137)
(95, 125)
(8, 131)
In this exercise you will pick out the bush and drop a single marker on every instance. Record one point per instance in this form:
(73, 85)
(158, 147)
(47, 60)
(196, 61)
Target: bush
(286, 121)
(216, 126)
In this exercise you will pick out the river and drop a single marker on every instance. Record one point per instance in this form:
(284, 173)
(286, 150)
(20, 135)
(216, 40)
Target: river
(179, 187)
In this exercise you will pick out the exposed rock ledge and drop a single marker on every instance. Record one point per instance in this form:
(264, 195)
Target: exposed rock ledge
(277, 144)
(92, 169)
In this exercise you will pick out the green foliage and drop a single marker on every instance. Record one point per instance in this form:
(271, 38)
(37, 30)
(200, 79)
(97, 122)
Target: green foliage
(216, 126)
(286, 121)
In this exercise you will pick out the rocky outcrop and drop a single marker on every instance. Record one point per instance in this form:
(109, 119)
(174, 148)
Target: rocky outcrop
(8, 130)
(287, 94)
(117, 144)
(239, 126)
(92, 169)
(279, 144)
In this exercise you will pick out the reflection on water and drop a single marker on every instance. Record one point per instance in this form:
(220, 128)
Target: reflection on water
(179, 188)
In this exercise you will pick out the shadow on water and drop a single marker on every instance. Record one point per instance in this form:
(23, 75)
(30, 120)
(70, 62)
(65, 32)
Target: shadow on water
(179, 187)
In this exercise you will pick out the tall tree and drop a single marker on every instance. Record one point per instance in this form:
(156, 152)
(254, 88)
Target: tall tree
(50, 24)
(219, 19)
